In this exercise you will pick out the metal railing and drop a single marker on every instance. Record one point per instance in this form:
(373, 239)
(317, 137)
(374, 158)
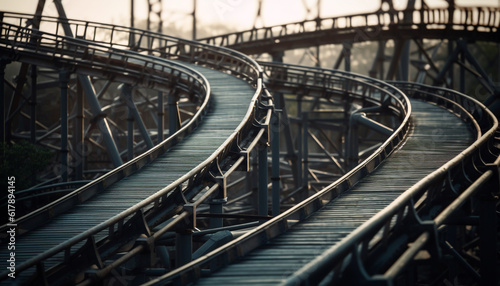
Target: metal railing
(483, 22)
(83, 56)
(239, 247)
(356, 247)
(106, 56)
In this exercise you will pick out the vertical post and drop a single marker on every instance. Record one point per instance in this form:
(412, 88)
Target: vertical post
(299, 144)
(63, 79)
(33, 104)
(102, 124)
(352, 142)
(194, 19)
(305, 151)
(183, 247)
(404, 62)
(284, 122)
(346, 50)
(173, 113)
(450, 70)
(381, 58)
(131, 39)
(217, 207)
(78, 135)
(262, 193)
(132, 13)
(3, 64)
(318, 17)
(377, 70)
(275, 155)
(161, 115)
(127, 94)
(462, 72)
(130, 134)
(217, 203)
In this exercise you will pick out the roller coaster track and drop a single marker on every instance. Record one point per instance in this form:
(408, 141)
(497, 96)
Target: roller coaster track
(139, 208)
(477, 23)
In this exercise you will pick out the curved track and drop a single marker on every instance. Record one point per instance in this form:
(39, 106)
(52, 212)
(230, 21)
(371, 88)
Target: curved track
(139, 207)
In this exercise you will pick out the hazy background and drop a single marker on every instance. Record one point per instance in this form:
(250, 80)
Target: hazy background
(214, 16)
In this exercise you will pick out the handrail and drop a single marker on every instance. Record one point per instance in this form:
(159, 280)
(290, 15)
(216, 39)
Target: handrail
(161, 71)
(190, 271)
(367, 26)
(337, 255)
(152, 43)
(216, 57)
(275, 71)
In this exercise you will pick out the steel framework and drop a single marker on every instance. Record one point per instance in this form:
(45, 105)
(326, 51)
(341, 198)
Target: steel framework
(253, 149)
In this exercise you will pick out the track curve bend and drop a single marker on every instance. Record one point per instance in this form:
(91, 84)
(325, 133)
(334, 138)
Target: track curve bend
(222, 121)
(365, 227)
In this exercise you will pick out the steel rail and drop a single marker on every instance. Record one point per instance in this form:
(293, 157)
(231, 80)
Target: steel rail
(148, 42)
(186, 78)
(277, 225)
(348, 248)
(478, 23)
(221, 58)
(333, 83)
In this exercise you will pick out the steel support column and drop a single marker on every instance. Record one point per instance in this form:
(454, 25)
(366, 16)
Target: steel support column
(217, 207)
(404, 62)
(452, 53)
(92, 98)
(78, 134)
(263, 173)
(173, 114)
(100, 119)
(305, 150)
(462, 72)
(183, 247)
(130, 134)
(275, 159)
(284, 124)
(299, 144)
(488, 225)
(32, 102)
(345, 55)
(161, 116)
(347, 47)
(127, 96)
(352, 148)
(393, 67)
(218, 202)
(64, 79)
(377, 70)
(3, 64)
